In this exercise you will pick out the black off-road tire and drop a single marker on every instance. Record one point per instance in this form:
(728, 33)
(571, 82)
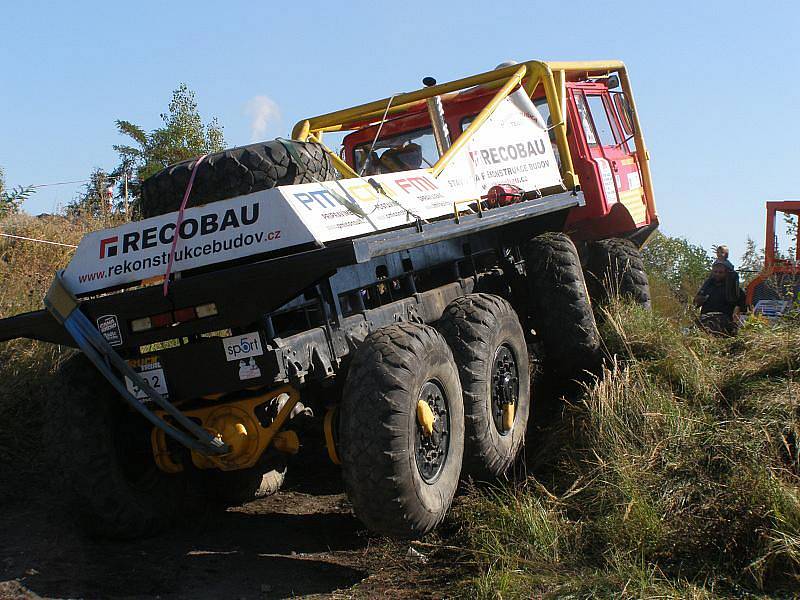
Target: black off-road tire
(615, 267)
(234, 488)
(235, 172)
(378, 430)
(482, 329)
(103, 466)
(560, 309)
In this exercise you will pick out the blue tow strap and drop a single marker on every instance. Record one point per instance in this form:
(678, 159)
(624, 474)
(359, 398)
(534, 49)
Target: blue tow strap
(66, 309)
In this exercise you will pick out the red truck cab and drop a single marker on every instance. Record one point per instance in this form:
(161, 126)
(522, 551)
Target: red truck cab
(600, 133)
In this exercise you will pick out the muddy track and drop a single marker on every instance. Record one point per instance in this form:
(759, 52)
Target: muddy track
(303, 542)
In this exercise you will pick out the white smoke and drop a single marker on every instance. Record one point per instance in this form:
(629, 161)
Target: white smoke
(263, 112)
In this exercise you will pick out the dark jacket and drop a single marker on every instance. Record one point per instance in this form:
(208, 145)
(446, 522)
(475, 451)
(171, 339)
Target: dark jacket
(723, 296)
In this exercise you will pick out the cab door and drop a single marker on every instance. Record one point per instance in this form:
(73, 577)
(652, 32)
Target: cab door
(610, 166)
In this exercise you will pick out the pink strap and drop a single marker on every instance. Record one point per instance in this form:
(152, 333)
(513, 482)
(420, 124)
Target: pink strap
(179, 222)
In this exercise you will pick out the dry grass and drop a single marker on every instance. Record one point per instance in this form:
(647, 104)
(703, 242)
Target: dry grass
(26, 270)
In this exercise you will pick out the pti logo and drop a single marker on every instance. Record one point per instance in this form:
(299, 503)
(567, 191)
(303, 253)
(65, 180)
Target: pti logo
(108, 247)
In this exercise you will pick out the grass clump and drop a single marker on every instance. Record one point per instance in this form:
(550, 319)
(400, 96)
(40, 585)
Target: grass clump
(679, 478)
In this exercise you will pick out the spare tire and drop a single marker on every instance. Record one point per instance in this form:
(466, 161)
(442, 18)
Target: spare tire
(236, 172)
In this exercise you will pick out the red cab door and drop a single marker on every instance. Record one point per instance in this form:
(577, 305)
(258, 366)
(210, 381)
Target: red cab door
(607, 170)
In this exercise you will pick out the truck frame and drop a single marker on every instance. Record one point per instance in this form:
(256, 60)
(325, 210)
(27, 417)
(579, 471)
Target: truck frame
(364, 347)
(777, 287)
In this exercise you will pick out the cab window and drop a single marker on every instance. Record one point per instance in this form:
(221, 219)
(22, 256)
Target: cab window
(595, 121)
(624, 112)
(544, 109)
(403, 152)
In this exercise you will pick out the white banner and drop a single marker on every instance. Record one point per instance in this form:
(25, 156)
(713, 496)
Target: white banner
(255, 224)
(213, 233)
(512, 147)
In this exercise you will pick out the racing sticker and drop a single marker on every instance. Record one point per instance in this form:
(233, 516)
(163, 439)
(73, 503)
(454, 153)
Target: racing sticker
(150, 369)
(217, 232)
(238, 347)
(607, 179)
(248, 369)
(108, 325)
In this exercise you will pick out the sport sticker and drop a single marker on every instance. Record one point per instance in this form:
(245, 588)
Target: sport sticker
(242, 346)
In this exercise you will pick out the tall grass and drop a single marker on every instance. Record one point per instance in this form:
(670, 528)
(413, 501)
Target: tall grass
(26, 270)
(676, 477)
(679, 476)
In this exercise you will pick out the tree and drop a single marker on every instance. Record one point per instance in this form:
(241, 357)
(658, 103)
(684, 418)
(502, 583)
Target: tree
(751, 263)
(182, 136)
(678, 262)
(96, 198)
(791, 231)
(11, 200)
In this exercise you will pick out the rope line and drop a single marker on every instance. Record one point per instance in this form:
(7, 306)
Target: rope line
(375, 139)
(41, 185)
(20, 237)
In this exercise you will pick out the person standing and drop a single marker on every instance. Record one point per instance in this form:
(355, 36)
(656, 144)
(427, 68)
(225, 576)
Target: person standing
(721, 296)
(722, 256)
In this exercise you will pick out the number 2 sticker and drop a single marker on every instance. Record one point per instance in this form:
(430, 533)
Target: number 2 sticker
(152, 372)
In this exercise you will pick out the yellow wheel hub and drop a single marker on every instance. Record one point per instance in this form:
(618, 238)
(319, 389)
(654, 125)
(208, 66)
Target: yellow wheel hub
(425, 417)
(508, 417)
(236, 428)
(235, 423)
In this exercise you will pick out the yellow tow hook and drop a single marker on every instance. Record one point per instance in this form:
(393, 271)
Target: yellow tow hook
(425, 417)
(508, 416)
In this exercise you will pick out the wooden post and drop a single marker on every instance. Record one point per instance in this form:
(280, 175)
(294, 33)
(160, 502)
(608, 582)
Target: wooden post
(125, 196)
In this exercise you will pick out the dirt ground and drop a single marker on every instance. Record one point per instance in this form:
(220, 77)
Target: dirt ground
(303, 542)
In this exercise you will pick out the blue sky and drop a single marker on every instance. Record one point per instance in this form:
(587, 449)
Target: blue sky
(715, 82)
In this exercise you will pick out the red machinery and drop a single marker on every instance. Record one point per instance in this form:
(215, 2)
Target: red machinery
(778, 284)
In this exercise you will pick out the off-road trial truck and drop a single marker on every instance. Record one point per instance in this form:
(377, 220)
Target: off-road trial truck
(383, 303)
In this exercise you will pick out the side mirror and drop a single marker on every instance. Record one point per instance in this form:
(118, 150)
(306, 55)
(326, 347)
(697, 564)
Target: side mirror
(613, 82)
(625, 113)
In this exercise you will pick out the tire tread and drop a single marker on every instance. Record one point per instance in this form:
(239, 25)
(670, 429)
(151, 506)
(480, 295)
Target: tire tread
(561, 311)
(468, 322)
(372, 434)
(615, 266)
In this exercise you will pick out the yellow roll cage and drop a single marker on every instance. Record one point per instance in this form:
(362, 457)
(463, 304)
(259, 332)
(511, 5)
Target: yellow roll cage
(552, 75)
